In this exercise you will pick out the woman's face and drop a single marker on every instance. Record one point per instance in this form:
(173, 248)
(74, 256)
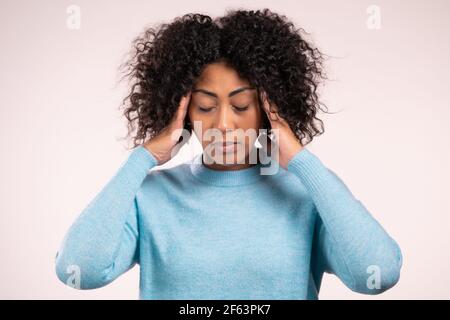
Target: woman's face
(224, 107)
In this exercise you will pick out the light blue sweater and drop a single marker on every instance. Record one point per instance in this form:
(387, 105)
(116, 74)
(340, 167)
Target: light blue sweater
(199, 233)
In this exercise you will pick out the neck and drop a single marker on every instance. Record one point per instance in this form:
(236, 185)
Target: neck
(224, 178)
(237, 166)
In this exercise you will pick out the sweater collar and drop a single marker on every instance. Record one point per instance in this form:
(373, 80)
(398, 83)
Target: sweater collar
(224, 178)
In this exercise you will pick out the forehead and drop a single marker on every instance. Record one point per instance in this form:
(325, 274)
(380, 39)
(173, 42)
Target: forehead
(220, 77)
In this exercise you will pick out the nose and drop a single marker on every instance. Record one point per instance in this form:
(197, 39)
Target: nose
(225, 120)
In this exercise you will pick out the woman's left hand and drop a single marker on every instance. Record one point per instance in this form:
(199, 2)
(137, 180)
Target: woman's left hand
(288, 144)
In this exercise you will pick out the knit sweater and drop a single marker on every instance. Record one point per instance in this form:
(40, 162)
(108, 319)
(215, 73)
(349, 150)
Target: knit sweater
(200, 233)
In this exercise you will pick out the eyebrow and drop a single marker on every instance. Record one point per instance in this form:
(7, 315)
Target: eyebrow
(232, 93)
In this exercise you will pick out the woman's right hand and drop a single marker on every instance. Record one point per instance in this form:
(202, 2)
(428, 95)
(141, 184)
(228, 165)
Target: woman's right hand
(163, 145)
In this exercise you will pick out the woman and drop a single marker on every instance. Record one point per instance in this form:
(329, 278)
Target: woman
(215, 229)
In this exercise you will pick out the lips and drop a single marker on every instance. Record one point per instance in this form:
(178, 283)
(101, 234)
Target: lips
(226, 146)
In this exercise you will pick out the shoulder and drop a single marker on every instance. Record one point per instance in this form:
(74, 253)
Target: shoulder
(174, 175)
(287, 185)
(163, 184)
(284, 178)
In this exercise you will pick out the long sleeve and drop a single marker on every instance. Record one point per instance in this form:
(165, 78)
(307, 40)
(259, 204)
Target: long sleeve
(349, 242)
(102, 243)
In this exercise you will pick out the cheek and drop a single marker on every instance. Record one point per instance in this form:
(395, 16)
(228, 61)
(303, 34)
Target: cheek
(250, 119)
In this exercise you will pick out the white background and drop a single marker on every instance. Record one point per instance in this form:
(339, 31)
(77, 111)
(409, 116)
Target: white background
(60, 127)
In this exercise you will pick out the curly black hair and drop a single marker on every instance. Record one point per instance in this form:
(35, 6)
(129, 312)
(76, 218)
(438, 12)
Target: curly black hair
(262, 46)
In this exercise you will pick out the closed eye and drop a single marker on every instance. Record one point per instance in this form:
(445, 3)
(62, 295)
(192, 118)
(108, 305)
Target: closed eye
(238, 108)
(241, 108)
(202, 109)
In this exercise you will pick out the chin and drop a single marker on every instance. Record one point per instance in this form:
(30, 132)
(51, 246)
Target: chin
(229, 160)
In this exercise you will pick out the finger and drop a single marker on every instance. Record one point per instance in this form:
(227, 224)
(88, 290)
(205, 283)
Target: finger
(182, 108)
(270, 110)
(264, 104)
